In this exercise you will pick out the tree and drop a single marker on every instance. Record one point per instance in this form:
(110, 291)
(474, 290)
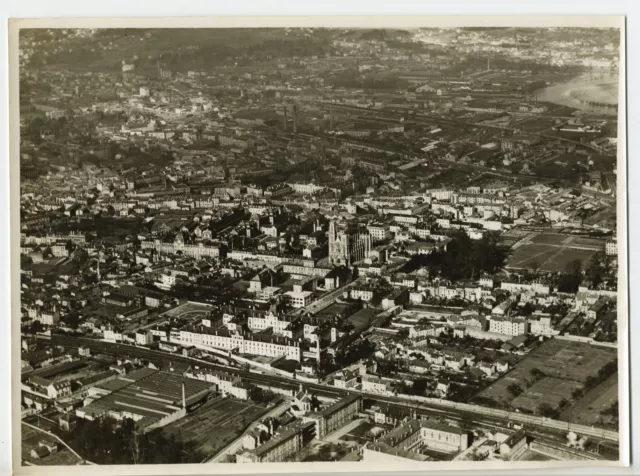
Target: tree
(596, 268)
(80, 255)
(419, 386)
(259, 395)
(463, 257)
(612, 410)
(527, 309)
(577, 393)
(547, 411)
(535, 265)
(536, 373)
(572, 277)
(105, 442)
(36, 327)
(514, 389)
(25, 261)
(72, 320)
(387, 367)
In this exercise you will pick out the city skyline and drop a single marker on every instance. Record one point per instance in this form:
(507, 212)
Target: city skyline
(391, 246)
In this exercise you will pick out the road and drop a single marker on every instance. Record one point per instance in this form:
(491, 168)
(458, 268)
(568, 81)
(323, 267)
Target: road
(326, 300)
(444, 408)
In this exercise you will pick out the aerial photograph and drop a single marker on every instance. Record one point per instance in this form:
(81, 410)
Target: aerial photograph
(259, 245)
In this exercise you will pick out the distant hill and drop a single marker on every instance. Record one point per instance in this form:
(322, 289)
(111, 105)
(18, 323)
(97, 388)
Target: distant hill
(106, 49)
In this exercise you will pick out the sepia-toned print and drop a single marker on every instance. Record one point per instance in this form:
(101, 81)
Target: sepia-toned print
(388, 246)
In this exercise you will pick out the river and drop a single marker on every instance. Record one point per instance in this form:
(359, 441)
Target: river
(592, 93)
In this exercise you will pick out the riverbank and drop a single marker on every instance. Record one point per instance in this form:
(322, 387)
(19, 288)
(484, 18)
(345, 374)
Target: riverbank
(584, 93)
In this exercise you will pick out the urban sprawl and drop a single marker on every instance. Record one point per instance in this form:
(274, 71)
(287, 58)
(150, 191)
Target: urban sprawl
(318, 245)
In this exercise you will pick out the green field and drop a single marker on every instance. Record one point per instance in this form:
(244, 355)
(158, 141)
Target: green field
(548, 390)
(576, 241)
(564, 366)
(552, 251)
(587, 410)
(546, 258)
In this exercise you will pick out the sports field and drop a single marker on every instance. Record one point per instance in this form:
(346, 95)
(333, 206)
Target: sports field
(190, 310)
(552, 251)
(216, 423)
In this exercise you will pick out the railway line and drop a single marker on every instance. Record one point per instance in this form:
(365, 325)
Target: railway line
(445, 408)
(430, 119)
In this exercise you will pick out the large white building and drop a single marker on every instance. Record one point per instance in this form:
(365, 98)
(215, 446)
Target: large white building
(298, 297)
(199, 250)
(255, 344)
(507, 326)
(541, 327)
(536, 287)
(379, 232)
(404, 442)
(279, 324)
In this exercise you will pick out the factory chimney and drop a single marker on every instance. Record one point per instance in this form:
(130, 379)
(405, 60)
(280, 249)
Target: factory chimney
(295, 118)
(184, 398)
(330, 117)
(285, 117)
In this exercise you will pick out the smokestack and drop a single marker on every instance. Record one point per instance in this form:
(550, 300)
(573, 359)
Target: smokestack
(295, 118)
(330, 117)
(285, 117)
(184, 398)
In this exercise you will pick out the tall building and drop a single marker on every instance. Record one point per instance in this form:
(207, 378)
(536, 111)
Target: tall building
(348, 245)
(335, 416)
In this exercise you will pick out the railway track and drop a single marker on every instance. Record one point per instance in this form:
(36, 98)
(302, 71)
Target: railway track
(418, 404)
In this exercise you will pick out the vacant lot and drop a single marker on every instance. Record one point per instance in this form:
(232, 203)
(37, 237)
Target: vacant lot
(549, 375)
(216, 423)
